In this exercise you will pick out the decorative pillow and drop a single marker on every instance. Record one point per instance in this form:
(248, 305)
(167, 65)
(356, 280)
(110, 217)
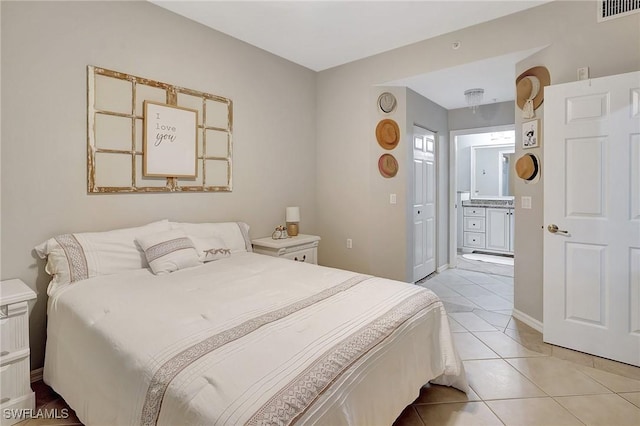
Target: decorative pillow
(211, 248)
(168, 251)
(75, 257)
(235, 235)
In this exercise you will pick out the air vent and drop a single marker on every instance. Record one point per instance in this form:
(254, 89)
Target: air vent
(611, 9)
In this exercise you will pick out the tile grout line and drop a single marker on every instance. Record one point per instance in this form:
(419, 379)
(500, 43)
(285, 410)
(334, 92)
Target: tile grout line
(494, 413)
(566, 409)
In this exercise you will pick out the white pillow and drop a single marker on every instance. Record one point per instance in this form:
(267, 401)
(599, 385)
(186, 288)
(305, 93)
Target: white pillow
(210, 248)
(75, 257)
(234, 234)
(168, 251)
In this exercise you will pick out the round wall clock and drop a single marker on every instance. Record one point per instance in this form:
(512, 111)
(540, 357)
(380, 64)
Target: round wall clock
(387, 102)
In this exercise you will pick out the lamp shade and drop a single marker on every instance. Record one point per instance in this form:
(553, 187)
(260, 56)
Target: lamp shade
(293, 214)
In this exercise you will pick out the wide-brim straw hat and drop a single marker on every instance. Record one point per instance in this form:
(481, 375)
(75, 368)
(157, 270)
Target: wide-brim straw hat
(388, 165)
(527, 167)
(524, 86)
(387, 134)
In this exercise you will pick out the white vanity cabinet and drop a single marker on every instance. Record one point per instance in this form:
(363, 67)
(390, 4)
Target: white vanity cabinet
(499, 229)
(488, 229)
(473, 226)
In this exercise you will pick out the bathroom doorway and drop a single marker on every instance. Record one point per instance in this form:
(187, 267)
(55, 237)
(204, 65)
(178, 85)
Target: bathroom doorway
(481, 169)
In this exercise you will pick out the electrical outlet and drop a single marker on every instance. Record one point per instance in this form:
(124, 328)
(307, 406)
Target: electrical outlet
(349, 243)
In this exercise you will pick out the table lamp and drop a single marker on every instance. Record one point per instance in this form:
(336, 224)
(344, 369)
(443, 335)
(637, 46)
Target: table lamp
(292, 218)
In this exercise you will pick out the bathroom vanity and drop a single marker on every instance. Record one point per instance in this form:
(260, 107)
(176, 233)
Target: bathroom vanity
(487, 226)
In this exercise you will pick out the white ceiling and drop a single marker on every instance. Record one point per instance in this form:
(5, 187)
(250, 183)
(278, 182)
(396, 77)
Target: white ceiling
(446, 87)
(323, 34)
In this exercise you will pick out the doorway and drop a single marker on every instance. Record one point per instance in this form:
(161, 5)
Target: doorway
(469, 180)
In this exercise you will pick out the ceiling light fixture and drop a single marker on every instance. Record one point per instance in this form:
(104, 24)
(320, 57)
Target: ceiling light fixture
(474, 98)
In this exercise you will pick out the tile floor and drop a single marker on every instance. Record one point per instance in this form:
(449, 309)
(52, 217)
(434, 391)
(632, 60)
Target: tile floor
(515, 378)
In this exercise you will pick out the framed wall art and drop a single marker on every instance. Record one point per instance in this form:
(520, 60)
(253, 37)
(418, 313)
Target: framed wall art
(531, 134)
(117, 127)
(170, 141)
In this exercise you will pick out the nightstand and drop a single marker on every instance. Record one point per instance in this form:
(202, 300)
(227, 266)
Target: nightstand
(301, 248)
(15, 371)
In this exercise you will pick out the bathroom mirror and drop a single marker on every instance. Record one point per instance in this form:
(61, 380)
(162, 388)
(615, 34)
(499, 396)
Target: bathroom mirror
(490, 169)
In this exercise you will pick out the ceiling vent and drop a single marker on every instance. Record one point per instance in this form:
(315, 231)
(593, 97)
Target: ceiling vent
(611, 9)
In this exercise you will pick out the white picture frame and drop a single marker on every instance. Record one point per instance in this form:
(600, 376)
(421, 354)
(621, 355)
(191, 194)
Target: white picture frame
(531, 134)
(170, 141)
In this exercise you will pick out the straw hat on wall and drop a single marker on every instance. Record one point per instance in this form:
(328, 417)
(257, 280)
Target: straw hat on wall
(530, 89)
(388, 133)
(527, 167)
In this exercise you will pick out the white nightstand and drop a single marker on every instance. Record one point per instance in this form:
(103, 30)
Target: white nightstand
(15, 371)
(301, 248)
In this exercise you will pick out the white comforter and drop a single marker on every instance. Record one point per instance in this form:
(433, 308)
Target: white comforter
(246, 340)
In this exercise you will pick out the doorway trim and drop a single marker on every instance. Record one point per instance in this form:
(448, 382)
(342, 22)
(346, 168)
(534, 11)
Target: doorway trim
(453, 182)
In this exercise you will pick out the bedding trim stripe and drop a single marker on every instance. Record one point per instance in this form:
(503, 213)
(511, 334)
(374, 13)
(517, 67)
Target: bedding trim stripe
(164, 248)
(171, 368)
(292, 401)
(76, 259)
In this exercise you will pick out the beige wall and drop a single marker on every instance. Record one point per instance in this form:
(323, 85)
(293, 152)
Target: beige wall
(46, 48)
(384, 260)
(345, 133)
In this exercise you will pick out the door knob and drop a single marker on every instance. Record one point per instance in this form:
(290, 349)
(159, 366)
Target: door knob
(553, 228)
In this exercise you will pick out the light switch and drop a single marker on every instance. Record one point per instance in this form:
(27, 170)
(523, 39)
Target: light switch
(392, 198)
(525, 202)
(583, 73)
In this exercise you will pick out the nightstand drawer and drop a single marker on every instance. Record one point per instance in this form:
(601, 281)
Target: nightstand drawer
(15, 374)
(474, 224)
(14, 378)
(14, 327)
(307, 255)
(301, 248)
(474, 239)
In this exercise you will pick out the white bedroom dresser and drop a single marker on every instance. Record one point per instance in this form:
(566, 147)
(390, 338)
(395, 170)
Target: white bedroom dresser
(301, 248)
(488, 226)
(15, 394)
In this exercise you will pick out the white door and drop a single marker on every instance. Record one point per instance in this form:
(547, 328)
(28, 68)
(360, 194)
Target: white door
(592, 195)
(424, 203)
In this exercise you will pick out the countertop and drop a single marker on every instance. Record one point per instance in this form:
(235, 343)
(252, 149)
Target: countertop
(506, 204)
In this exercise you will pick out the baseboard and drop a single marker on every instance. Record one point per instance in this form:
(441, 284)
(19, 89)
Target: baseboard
(530, 321)
(442, 268)
(36, 375)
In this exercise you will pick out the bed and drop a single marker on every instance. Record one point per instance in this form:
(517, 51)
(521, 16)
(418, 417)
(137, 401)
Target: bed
(152, 338)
